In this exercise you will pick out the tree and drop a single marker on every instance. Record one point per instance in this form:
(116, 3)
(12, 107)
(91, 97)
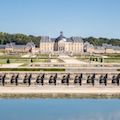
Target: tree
(101, 60)
(90, 58)
(8, 61)
(31, 60)
(19, 38)
(100, 41)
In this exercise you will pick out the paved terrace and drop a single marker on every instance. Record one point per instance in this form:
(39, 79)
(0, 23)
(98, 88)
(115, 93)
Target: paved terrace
(67, 59)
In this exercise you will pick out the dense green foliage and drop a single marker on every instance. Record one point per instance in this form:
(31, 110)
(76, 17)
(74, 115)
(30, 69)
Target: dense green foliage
(23, 39)
(18, 38)
(8, 61)
(100, 41)
(31, 60)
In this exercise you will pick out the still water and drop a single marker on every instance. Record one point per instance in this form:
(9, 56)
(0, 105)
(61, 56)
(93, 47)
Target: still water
(59, 109)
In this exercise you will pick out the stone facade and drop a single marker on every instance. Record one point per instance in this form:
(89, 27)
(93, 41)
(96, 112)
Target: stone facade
(12, 47)
(88, 48)
(104, 49)
(60, 45)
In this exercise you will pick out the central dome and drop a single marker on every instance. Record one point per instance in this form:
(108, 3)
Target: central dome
(61, 38)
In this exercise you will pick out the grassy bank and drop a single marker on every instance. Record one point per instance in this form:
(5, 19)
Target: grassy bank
(61, 95)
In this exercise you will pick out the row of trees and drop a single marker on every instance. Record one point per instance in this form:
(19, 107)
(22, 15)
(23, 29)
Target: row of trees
(23, 39)
(19, 38)
(100, 41)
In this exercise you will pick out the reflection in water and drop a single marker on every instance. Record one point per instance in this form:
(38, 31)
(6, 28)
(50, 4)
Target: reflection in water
(59, 109)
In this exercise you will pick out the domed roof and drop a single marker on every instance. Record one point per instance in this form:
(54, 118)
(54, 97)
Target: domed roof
(61, 37)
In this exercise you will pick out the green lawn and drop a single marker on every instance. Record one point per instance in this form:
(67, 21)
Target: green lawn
(21, 60)
(112, 58)
(16, 58)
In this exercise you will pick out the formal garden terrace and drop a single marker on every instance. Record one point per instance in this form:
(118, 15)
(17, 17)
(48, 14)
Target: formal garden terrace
(66, 63)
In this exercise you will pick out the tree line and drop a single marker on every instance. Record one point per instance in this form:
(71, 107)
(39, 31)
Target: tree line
(24, 39)
(100, 41)
(21, 39)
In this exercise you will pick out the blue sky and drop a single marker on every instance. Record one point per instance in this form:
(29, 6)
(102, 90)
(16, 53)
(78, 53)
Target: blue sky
(98, 18)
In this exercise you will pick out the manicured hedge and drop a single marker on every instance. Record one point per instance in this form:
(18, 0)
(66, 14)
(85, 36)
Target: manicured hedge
(32, 69)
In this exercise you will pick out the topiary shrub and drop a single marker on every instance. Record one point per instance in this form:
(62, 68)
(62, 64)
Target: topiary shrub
(8, 61)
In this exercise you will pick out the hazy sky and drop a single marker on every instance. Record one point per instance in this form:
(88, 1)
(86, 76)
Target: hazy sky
(98, 18)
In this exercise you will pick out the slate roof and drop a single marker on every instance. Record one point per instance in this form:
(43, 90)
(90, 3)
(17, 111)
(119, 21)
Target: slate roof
(61, 37)
(13, 45)
(88, 45)
(2, 46)
(108, 46)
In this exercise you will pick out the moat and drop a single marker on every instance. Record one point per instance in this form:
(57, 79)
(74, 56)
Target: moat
(60, 109)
